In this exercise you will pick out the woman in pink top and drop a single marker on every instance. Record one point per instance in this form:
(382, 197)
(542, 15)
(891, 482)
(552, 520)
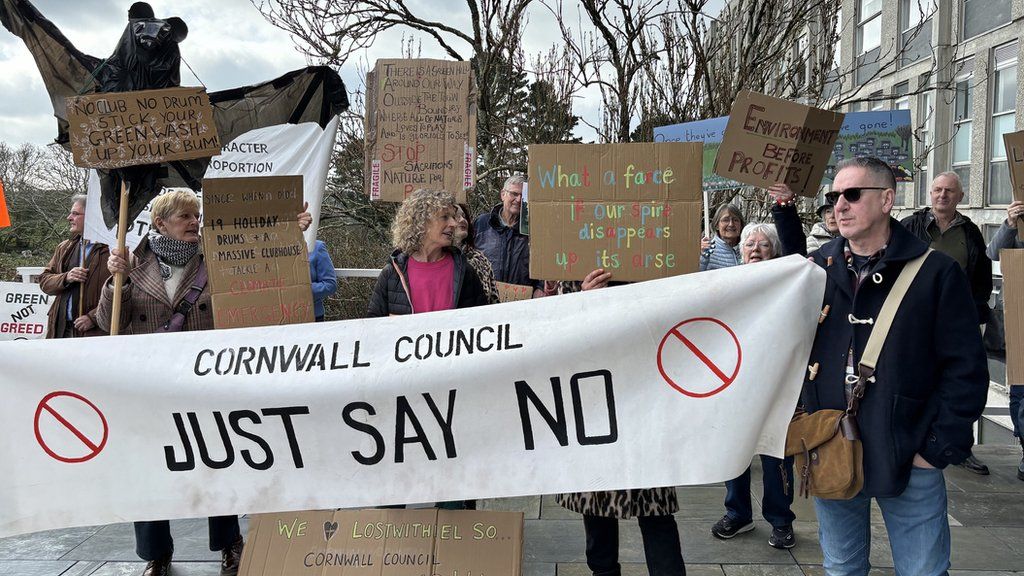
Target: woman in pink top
(426, 272)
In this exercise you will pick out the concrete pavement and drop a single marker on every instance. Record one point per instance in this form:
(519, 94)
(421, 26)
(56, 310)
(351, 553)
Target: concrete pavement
(986, 517)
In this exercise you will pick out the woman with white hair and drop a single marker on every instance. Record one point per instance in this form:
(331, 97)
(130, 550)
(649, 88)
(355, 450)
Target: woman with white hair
(760, 242)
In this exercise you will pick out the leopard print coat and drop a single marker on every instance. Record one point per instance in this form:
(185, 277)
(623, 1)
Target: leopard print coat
(618, 503)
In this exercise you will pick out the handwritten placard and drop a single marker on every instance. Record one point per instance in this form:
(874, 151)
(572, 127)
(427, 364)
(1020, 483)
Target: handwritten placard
(632, 209)
(769, 140)
(119, 129)
(420, 128)
(255, 254)
(385, 542)
(513, 292)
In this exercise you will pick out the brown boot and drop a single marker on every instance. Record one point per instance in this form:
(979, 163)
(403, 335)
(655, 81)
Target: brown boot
(160, 567)
(231, 557)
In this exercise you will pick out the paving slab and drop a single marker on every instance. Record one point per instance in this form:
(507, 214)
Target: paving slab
(48, 545)
(762, 570)
(982, 549)
(33, 567)
(700, 547)
(528, 505)
(177, 569)
(640, 569)
(987, 509)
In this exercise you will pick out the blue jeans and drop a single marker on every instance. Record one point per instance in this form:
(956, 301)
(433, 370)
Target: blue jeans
(915, 520)
(777, 499)
(1016, 411)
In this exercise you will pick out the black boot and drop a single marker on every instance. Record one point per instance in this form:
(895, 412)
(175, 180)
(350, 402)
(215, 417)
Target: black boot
(1020, 467)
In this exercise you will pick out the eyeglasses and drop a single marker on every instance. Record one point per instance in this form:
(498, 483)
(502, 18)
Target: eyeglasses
(851, 194)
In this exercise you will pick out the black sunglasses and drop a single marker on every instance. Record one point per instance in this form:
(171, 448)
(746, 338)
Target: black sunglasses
(851, 194)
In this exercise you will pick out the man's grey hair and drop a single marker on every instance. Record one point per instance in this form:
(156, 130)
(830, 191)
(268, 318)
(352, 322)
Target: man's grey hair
(516, 179)
(80, 199)
(874, 165)
(954, 176)
(769, 232)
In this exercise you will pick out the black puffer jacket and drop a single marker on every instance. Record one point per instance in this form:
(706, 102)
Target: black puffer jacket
(931, 381)
(391, 294)
(979, 267)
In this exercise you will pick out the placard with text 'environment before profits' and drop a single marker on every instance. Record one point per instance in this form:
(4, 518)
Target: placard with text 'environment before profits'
(420, 128)
(631, 209)
(770, 141)
(120, 129)
(255, 254)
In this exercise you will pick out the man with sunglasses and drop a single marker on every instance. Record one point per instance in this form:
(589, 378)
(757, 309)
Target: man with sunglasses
(945, 229)
(930, 382)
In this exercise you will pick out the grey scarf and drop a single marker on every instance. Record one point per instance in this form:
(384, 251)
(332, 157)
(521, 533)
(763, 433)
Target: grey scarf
(170, 252)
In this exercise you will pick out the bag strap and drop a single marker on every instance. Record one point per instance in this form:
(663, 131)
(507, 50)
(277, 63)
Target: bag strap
(177, 320)
(883, 322)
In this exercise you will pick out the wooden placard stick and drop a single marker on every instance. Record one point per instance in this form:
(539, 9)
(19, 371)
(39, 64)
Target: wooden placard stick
(81, 285)
(122, 231)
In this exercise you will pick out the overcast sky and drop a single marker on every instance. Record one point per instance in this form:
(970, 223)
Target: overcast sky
(229, 44)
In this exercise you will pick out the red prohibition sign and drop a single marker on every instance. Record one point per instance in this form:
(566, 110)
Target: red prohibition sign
(93, 448)
(677, 349)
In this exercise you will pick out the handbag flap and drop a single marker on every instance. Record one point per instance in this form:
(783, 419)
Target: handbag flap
(808, 431)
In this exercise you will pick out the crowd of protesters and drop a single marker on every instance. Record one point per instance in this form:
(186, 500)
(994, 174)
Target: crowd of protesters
(915, 419)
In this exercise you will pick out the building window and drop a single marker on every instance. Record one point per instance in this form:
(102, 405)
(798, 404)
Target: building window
(963, 102)
(1004, 100)
(915, 30)
(925, 112)
(869, 39)
(876, 102)
(980, 16)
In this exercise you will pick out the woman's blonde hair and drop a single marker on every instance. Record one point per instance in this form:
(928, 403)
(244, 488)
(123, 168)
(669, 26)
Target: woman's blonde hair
(172, 202)
(414, 216)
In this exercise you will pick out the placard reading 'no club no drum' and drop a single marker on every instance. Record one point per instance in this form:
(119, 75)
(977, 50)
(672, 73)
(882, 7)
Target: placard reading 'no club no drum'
(632, 209)
(255, 254)
(119, 129)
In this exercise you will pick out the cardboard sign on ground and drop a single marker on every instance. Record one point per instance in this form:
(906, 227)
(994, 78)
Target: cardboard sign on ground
(255, 255)
(769, 140)
(1011, 263)
(377, 542)
(1014, 143)
(420, 128)
(513, 292)
(118, 129)
(632, 209)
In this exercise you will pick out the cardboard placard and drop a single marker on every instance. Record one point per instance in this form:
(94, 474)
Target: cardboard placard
(420, 128)
(1014, 143)
(770, 140)
(632, 209)
(1011, 263)
(384, 541)
(513, 292)
(255, 254)
(119, 129)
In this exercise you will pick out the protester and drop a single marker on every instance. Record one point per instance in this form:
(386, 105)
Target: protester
(75, 282)
(945, 229)
(825, 230)
(166, 290)
(930, 382)
(760, 242)
(426, 272)
(1006, 238)
(322, 277)
(723, 250)
(497, 235)
(481, 265)
(652, 507)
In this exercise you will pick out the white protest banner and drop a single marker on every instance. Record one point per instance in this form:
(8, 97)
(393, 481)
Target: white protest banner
(23, 310)
(661, 383)
(282, 150)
